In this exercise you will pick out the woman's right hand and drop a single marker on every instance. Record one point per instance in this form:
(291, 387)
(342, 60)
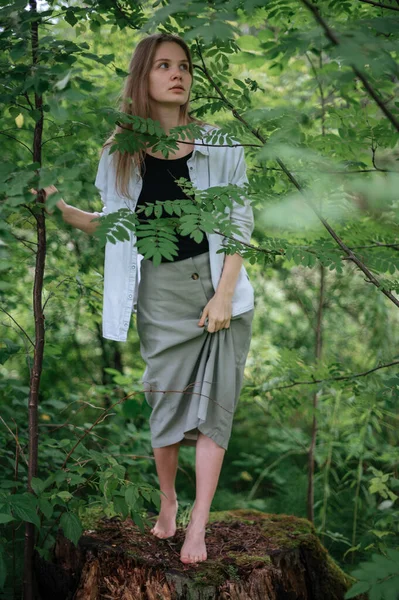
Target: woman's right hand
(51, 189)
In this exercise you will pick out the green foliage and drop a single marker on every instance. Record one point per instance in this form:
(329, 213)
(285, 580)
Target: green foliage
(268, 77)
(379, 577)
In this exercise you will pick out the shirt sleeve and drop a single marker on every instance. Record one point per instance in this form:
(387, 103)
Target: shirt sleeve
(241, 215)
(101, 181)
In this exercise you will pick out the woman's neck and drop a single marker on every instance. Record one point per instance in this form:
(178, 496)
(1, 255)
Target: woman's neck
(169, 117)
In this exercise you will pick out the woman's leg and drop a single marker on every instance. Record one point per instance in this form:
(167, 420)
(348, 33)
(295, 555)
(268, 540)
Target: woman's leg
(208, 464)
(166, 460)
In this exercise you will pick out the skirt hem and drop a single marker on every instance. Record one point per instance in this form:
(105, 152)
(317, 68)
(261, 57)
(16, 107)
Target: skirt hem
(217, 438)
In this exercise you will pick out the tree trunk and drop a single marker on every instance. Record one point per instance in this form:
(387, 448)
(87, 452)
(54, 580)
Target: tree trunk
(38, 352)
(251, 556)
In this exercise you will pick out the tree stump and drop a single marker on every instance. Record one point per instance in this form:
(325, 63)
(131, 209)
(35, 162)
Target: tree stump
(251, 556)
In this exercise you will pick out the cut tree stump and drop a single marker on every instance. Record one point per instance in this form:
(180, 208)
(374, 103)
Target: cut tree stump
(251, 556)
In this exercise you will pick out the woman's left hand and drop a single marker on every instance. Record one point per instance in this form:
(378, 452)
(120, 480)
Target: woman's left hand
(218, 310)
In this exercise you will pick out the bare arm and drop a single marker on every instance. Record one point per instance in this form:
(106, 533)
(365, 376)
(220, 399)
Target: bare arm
(72, 215)
(79, 218)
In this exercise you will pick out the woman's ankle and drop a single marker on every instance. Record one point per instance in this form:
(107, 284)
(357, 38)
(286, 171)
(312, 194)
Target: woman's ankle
(168, 497)
(199, 517)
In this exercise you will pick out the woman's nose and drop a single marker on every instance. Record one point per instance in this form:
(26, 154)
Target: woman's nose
(177, 73)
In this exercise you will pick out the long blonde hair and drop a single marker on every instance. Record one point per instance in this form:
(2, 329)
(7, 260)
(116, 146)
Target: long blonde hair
(135, 101)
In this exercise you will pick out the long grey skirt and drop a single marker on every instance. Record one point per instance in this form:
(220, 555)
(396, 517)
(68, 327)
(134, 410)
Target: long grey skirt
(192, 380)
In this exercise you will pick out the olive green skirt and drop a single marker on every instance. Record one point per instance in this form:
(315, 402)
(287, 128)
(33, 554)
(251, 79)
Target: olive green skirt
(192, 380)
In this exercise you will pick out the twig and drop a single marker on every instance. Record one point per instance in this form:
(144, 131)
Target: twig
(28, 100)
(57, 286)
(18, 325)
(105, 412)
(57, 137)
(380, 5)
(322, 100)
(378, 245)
(16, 440)
(373, 157)
(16, 140)
(24, 241)
(251, 246)
(328, 379)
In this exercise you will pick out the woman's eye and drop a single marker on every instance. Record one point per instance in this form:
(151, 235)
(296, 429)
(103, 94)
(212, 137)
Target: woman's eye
(184, 67)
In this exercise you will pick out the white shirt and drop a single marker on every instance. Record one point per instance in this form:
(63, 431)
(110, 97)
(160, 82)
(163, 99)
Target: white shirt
(208, 166)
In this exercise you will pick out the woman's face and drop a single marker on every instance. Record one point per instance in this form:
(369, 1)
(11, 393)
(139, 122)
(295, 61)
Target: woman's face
(170, 79)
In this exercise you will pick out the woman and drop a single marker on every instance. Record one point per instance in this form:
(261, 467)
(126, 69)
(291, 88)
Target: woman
(194, 314)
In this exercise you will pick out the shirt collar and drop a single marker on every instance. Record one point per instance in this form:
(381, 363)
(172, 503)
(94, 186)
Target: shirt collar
(199, 147)
(199, 143)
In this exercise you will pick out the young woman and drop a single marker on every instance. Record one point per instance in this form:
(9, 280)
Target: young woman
(194, 314)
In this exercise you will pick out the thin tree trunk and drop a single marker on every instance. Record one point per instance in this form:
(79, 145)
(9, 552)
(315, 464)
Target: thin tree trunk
(318, 351)
(39, 326)
(319, 332)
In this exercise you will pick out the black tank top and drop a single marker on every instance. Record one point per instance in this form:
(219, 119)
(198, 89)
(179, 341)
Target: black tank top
(159, 178)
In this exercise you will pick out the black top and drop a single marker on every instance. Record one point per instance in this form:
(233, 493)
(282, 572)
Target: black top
(159, 184)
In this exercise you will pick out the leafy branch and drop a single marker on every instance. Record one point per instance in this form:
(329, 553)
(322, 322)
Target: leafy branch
(329, 379)
(350, 255)
(380, 5)
(368, 87)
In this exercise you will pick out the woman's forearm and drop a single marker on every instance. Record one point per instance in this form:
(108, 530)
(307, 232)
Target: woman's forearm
(79, 218)
(228, 279)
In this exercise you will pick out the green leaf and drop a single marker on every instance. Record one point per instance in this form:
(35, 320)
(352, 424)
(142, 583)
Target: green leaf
(121, 233)
(240, 84)
(46, 507)
(358, 588)
(158, 211)
(64, 495)
(24, 506)
(148, 210)
(60, 85)
(7, 349)
(4, 518)
(375, 592)
(131, 496)
(121, 506)
(70, 17)
(138, 520)
(156, 499)
(38, 485)
(71, 527)
(248, 42)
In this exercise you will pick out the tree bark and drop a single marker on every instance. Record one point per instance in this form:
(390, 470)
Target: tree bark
(251, 556)
(38, 353)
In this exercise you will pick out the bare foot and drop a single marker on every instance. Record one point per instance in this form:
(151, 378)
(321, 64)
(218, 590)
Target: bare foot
(166, 524)
(194, 549)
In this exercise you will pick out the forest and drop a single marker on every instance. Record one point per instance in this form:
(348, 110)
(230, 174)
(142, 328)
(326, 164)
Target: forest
(309, 88)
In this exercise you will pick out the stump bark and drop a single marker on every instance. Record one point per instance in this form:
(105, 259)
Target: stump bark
(251, 556)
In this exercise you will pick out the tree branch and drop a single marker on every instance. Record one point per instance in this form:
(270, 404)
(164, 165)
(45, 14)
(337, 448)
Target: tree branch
(18, 325)
(334, 40)
(16, 140)
(350, 255)
(380, 5)
(328, 379)
(202, 143)
(321, 91)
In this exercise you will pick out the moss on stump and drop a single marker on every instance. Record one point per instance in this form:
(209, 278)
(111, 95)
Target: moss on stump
(251, 556)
